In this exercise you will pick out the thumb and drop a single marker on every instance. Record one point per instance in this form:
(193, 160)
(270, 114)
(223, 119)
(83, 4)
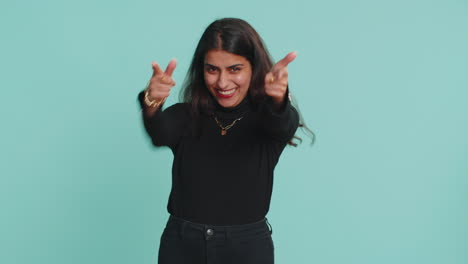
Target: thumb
(156, 69)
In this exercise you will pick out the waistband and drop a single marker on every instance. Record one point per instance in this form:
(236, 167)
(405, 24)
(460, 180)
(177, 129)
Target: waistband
(214, 231)
(231, 227)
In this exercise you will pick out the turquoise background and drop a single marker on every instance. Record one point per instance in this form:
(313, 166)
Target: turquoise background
(383, 84)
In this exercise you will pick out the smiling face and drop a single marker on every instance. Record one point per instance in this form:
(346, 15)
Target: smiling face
(227, 77)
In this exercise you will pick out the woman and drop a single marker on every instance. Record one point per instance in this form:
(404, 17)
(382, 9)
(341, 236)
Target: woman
(226, 137)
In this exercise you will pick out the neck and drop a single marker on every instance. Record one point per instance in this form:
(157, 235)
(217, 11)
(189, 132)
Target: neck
(233, 112)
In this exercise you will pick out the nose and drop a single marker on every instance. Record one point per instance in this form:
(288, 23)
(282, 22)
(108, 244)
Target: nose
(222, 80)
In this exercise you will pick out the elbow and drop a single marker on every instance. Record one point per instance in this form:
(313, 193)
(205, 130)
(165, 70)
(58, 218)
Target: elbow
(156, 142)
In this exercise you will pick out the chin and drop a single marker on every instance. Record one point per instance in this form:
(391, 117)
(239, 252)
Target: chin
(227, 103)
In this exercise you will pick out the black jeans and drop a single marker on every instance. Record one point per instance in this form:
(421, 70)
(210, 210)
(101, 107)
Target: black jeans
(184, 242)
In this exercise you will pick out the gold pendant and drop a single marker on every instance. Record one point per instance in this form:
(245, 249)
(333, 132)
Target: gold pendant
(223, 132)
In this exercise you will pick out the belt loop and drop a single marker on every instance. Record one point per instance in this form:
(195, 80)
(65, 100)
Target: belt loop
(227, 231)
(271, 228)
(182, 229)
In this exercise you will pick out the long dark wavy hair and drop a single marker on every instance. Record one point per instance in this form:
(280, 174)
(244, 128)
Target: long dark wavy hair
(238, 37)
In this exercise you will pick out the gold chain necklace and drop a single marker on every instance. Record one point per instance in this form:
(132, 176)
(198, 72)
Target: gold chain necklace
(224, 129)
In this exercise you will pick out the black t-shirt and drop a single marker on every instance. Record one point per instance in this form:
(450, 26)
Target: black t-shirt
(222, 179)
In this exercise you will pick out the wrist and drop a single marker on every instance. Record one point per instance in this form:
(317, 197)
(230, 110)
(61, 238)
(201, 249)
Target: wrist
(278, 100)
(152, 103)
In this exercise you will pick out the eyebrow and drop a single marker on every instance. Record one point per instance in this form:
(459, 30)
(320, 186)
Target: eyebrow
(232, 66)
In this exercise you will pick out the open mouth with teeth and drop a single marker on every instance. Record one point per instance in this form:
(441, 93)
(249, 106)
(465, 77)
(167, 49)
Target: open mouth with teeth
(225, 93)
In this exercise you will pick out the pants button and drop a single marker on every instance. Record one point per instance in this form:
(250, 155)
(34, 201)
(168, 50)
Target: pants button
(209, 232)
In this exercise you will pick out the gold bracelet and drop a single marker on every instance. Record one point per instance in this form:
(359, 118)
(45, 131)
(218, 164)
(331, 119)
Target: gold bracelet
(153, 103)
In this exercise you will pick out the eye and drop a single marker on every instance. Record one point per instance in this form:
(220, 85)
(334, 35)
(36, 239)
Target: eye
(235, 69)
(210, 69)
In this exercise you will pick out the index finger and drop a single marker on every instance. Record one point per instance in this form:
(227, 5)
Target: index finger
(170, 67)
(285, 61)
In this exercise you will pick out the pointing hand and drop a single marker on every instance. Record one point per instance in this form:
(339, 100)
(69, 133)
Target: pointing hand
(161, 82)
(276, 81)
